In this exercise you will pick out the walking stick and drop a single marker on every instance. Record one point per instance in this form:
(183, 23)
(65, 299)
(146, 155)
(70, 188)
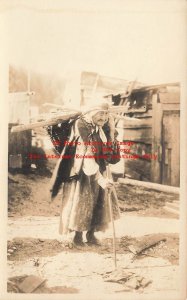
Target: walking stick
(112, 219)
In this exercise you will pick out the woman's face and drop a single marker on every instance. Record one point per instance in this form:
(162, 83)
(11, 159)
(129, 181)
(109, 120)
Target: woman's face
(100, 118)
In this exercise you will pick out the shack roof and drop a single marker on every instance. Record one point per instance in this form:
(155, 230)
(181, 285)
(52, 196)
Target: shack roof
(156, 86)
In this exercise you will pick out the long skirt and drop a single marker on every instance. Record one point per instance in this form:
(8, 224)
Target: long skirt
(85, 206)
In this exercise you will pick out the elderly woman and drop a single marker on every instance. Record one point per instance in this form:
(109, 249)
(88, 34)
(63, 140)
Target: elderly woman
(92, 145)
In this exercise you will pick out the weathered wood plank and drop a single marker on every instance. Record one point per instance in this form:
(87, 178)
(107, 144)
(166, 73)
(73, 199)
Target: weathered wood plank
(138, 135)
(171, 106)
(146, 244)
(170, 98)
(138, 122)
(150, 185)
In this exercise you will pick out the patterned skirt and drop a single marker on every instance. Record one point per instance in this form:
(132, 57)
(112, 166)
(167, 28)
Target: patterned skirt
(85, 206)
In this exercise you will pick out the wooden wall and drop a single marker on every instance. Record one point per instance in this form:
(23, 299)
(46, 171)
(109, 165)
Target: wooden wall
(158, 133)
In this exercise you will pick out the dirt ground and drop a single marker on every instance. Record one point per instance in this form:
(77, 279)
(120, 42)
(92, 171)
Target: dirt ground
(72, 270)
(32, 190)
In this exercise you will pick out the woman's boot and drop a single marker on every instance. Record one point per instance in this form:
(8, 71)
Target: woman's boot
(91, 239)
(78, 240)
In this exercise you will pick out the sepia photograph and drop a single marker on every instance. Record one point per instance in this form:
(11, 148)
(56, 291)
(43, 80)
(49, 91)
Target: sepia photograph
(94, 149)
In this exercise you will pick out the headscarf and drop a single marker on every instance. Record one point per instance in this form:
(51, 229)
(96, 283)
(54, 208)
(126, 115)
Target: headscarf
(88, 117)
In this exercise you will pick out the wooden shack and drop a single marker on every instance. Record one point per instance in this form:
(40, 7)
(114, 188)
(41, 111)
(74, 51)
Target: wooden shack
(82, 88)
(19, 143)
(157, 134)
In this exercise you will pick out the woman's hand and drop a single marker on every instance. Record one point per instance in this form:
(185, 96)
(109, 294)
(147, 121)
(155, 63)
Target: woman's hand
(109, 184)
(105, 183)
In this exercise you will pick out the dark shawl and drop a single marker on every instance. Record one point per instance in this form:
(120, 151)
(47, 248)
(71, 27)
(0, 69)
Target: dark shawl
(85, 131)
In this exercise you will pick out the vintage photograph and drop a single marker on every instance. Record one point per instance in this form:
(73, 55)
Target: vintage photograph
(93, 90)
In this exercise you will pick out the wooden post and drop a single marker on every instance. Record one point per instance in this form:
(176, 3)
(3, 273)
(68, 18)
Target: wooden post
(157, 119)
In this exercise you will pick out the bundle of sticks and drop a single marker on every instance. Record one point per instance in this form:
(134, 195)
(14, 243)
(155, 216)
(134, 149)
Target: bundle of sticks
(66, 114)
